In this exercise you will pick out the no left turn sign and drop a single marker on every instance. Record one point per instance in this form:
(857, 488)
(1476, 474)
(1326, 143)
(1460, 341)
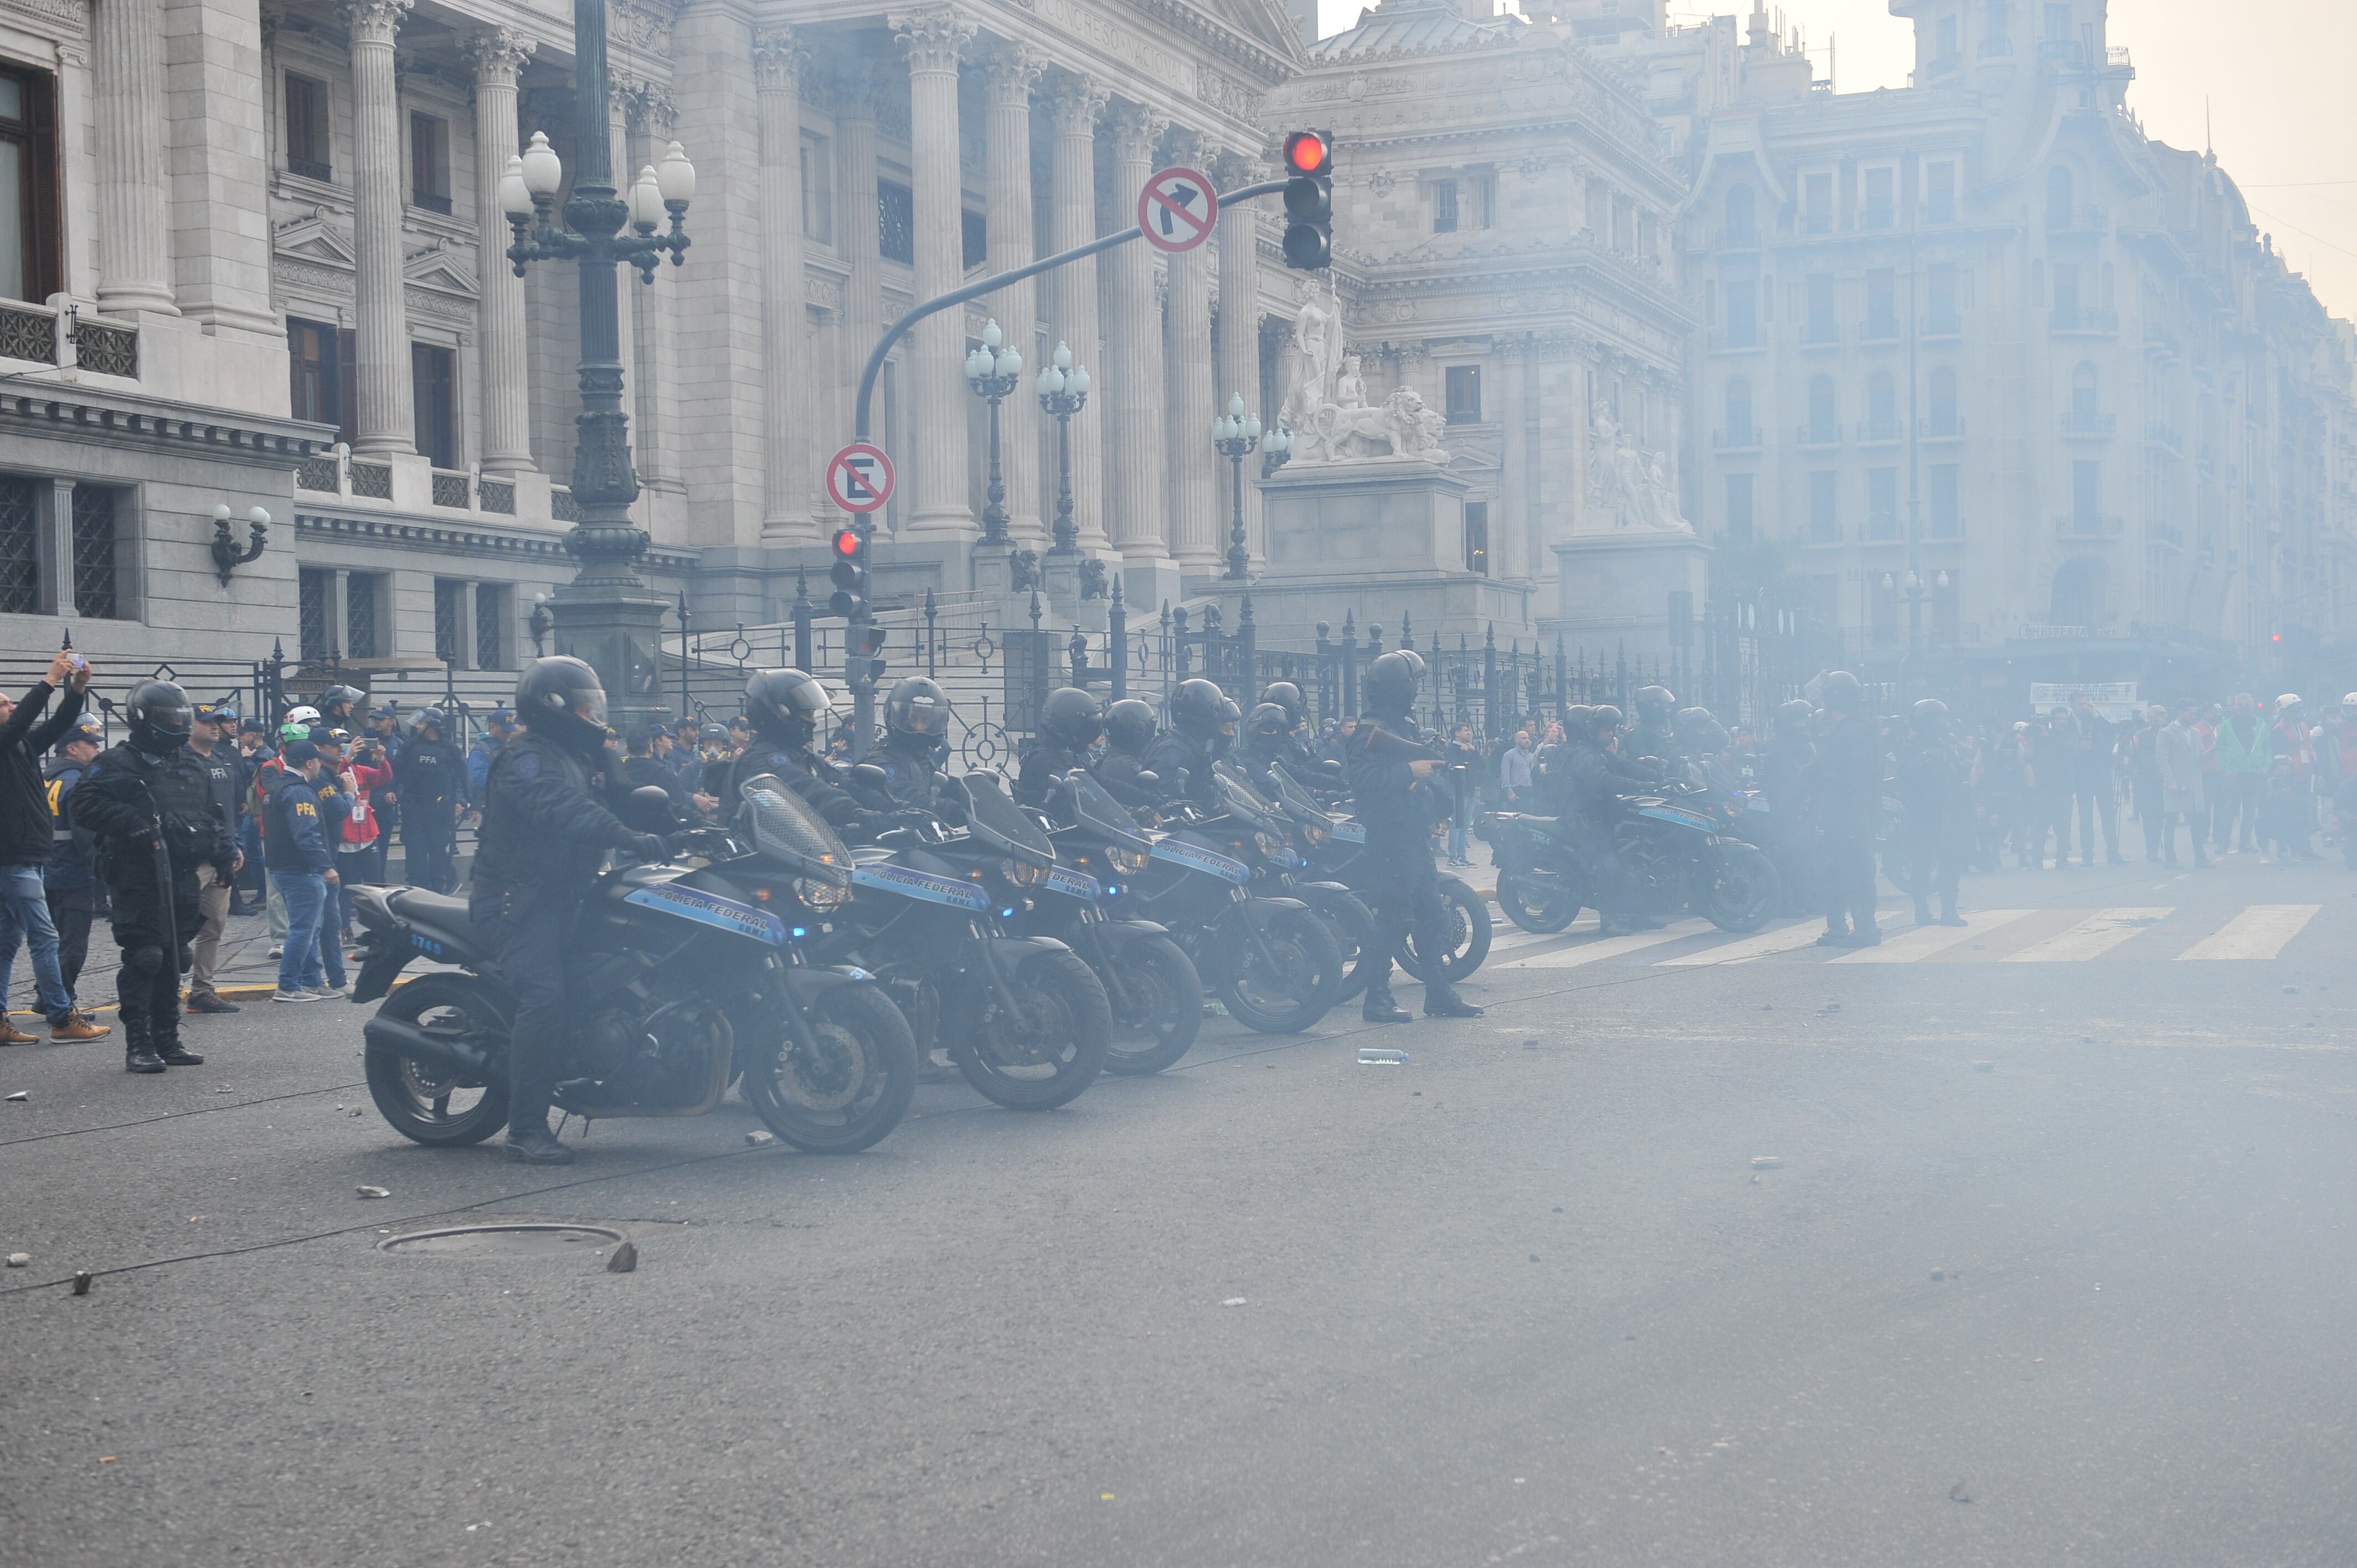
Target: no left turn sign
(859, 477)
(1176, 210)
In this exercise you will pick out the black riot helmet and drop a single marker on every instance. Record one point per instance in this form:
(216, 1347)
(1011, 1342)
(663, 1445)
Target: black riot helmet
(1231, 716)
(161, 717)
(1269, 722)
(1795, 714)
(1287, 695)
(1843, 693)
(1930, 715)
(560, 697)
(431, 718)
(1693, 723)
(1602, 720)
(1129, 725)
(918, 707)
(1576, 718)
(1071, 718)
(785, 705)
(336, 702)
(1653, 704)
(1197, 709)
(1389, 689)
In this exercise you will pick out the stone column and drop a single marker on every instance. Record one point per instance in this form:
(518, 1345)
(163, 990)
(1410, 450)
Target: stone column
(1076, 103)
(1239, 243)
(134, 259)
(1137, 490)
(934, 385)
(1012, 71)
(1514, 538)
(1198, 512)
(858, 239)
(778, 64)
(387, 417)
(496, 56)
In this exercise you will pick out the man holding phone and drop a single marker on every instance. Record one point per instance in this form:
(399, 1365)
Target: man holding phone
(26, 832)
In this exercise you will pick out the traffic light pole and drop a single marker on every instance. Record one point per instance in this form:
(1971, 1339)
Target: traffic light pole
(863, 689)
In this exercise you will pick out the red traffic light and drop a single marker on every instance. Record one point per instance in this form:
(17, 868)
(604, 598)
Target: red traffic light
(846, 542)
(1308, 153)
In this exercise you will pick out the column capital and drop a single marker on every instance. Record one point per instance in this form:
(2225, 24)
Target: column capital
(496, 55)
(1232, 169)
(780, 59)
(636, 101)
(1135, 129)
(856, 91)
(374, 21)
(934, 38)
(1010, 71)
(1077, 102)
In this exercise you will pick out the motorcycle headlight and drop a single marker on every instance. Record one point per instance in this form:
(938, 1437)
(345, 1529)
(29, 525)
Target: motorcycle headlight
(1128, 862)
(1317, 832)
(824, 897)
(1271, 846)
(1022, 873)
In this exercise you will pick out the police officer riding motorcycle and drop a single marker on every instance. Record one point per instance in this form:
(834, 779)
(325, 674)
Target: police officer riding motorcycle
(1129, 732)
(915, 741)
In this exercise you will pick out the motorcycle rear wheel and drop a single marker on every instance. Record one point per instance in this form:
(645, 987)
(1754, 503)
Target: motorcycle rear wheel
(1300, 989)
(1161, 1008)
(1469, 932)
(421, 1101)
(1054, 1051)
(1538, 901)
(850, 1093)
(1741, 890)
(1353, 925)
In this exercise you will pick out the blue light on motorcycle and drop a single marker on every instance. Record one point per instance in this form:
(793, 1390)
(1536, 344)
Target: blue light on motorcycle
(1006, 914)
(1111, 890)
(799, 931)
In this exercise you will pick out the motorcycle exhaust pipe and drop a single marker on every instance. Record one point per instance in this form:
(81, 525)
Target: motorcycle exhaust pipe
(427, 1046)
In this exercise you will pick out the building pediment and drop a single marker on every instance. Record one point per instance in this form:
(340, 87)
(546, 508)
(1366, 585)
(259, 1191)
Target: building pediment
(312, 238)
(440, 267)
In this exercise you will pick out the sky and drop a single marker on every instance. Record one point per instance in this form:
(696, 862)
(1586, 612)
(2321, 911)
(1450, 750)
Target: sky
(2278, 99)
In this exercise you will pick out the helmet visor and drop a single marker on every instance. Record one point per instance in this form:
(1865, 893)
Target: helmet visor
(590, 704)
(925, 717)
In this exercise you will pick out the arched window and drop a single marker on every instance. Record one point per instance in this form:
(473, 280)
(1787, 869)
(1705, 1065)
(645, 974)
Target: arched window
(1742, 217)
(2060, 196)
(1738, 412)
(2086, 394)
(1822, 427)
(2078, 593)
(1943, 402)
(1882, 407)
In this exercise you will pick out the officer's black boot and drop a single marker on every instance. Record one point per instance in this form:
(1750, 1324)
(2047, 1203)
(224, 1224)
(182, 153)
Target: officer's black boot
(533, 1144)
(1440, 1001)
(164, 1029)
(1382, 1007)
(138, 1045)
(1923, 911)
(1948, 915)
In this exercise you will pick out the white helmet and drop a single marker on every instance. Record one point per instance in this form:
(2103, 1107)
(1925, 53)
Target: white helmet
(2350, 701)
(2288, 701)
(304, 714)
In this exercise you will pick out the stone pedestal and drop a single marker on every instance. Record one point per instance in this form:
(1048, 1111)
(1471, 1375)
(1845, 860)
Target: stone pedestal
(1615, 589)
(620, 635)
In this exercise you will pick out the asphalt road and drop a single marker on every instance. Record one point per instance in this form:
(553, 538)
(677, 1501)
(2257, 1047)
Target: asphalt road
(2050, 1265)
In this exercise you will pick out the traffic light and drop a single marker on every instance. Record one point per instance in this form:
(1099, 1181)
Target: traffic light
(1309, 201)
(863, 664)
(849, 573)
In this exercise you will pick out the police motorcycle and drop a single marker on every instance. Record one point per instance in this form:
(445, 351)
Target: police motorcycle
(1152, 985)
(1270, 960)
(690, 973)
(933, 913)
(1682, 855)
(1317, 832)
(1542, 883)
(1342, 858)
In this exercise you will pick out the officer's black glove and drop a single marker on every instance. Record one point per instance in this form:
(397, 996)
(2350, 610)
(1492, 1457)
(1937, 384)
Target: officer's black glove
(647, 846)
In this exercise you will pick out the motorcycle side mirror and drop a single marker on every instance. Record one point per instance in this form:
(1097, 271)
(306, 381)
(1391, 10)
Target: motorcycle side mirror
(1183, 777)
(651, 809)
(868, 776)
(1149, 778)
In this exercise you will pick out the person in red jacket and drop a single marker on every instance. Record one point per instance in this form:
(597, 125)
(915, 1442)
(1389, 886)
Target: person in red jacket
(360, 770)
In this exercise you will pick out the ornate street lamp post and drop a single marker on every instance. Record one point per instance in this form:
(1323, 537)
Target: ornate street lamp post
(1063, 393)
(1276, 450)
(993, 374)
(1235, 436)
(607, 614)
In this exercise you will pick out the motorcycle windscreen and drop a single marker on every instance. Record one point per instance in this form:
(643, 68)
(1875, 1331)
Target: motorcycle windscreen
(1243, 800)
(1097, 810)
(785, 828)
(998, 821)
(1298, 802)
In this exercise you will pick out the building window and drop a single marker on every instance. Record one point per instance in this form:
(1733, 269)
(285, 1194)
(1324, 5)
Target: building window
(315, 371)
(1939, 193)
(1944, 418)
(2086, 395)
(1738, 505)
(20, 546)
(1824, 428)
(2078, 589)
(1881, 305)
(1817, 204)
(312, 588)
(1946, 51)
(973, 236)
(1882, 503)
(1941, 482)
(1824, 517)
(429, 163)
(818, 190)
(1738, 414)
(449, 608)
(1742, 315)
(29, 223)
(1820, 327)
(2058, 22)
(1939, 289)
(307, 128)
(1444, 206)
(97, 568)
(1882, 407)
(1742, 219)
(1463, 393)
(1477, 538)
(896, 222)
(434, 376)
(491, 603)
(360, 615)
(1881, 199)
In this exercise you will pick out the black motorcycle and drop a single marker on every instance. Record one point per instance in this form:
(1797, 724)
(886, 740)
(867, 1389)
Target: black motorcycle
(1316, 832)
(686, 975)
(1466, 930)
(933, 917)
(1543, 879)
(1680, 855)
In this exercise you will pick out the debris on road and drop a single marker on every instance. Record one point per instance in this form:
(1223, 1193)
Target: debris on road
(82, 1282)
(368, 1191)
(21, 1094)
(1957, 1494)
(1376, 1056)
(1767, 1163)
(20, 1260)
(757, 1138)
(625, 1260)
(1235, 1301)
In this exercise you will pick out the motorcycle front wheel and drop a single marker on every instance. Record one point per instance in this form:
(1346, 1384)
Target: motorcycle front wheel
(1045, 1053)
(1353, 925)
(1740, 888)
(1157, 1006)
(850, 1089)
(1465, 927)
(423, 1100)
(1290, 993)
(1539, 901)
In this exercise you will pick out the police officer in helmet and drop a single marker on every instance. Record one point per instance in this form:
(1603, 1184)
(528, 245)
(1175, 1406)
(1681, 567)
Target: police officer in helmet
(336, 706)
(1597, 778)
(429, 781)
(1937, 827)
(548, 820)
(1655, 734)
(151, 806)
(1389, 773)
(786, 709)
(1130, 732)
(915, 741)
(1267, 743)
(1199, 733)
(1070, 724)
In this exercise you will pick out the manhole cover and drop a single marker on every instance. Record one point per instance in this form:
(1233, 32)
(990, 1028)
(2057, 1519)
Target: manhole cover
(502, 1242)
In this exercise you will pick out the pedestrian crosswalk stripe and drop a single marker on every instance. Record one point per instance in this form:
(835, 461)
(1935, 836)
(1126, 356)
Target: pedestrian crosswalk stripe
(1611, 947)
(1923, 941)
(1748, 948)
(2258, 933)
(1513, 939)
(2091, 938)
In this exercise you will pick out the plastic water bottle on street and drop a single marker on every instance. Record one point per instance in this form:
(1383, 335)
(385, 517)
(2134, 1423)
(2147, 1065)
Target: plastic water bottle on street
(1375, 1055)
